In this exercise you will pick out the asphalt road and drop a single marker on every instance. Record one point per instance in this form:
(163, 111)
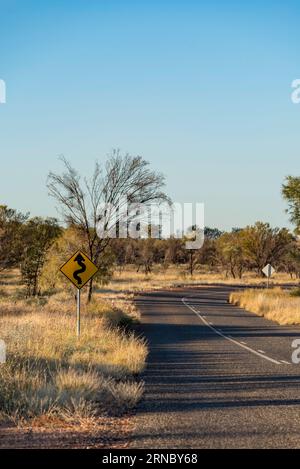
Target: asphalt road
(217, 376)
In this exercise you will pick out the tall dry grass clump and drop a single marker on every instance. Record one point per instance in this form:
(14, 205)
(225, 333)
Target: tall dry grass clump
(50, 371)
(274, 304)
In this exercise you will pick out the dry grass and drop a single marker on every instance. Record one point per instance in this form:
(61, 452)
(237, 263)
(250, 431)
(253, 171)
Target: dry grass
(129, 281)
(274, 304)
(49, 372)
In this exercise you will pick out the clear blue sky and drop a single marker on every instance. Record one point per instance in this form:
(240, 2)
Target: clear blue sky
(201, 89)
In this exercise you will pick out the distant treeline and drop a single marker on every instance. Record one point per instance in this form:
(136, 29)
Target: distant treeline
(232, 252)
(38, 246)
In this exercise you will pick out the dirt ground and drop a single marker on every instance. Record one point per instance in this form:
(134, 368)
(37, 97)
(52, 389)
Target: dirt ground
(103, 432)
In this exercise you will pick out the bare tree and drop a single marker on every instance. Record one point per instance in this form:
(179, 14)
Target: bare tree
(84, 203)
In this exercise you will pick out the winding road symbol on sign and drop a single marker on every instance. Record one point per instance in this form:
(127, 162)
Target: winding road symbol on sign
(80, 261)
(79, 269)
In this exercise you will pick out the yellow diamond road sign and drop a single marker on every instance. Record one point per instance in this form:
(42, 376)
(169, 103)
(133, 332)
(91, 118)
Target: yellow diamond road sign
(79, 269)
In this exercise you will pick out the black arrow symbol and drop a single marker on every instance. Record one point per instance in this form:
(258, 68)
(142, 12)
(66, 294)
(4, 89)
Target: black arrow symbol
(80, 261)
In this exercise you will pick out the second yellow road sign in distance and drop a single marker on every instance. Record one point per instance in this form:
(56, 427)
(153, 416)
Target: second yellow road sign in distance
(79, 269)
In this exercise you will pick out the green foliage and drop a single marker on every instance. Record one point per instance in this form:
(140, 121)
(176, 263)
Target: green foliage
(291, 193)
(290, 262)
(212, 233)
(231, 253)
(263, 244)
(38, 235)
(63, 247)
(295, 292)
(105, 266)
(11, 239)
(70, 240)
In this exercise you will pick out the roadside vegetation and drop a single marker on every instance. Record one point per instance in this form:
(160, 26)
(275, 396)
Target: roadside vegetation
(49, 373)
(276, 304)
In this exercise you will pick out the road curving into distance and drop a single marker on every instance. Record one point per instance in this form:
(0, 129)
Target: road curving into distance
(217, 375)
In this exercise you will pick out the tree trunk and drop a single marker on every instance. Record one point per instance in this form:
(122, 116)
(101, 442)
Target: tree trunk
(90, 292)
(35, 284)
(192, 263)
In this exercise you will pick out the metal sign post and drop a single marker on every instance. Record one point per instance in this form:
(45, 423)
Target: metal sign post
(78, 313)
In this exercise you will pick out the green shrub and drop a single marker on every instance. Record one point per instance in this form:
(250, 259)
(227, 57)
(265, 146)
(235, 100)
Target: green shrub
(295, 292)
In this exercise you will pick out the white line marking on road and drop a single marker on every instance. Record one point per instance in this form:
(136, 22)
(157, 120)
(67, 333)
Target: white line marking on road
(227, 337)
(284, 361)
(244, 343)
(261, 351)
